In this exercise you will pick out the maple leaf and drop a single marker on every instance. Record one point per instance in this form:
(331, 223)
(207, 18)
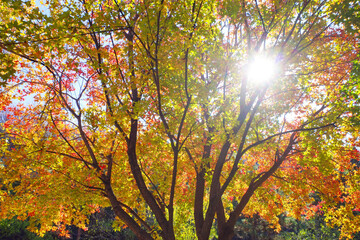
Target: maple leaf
(182, 116)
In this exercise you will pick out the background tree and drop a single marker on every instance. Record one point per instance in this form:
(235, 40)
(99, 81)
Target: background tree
(162, 110)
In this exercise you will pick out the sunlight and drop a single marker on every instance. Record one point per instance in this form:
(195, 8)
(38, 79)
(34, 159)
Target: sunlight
(261, 70)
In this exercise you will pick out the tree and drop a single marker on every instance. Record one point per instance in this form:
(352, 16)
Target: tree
(162, 110)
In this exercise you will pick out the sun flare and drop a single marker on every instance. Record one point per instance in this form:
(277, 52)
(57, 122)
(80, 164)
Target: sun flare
(261, 69)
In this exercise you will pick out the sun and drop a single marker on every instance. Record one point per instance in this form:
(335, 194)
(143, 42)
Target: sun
(261, 70)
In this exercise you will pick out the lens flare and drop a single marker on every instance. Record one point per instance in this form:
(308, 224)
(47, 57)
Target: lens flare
(261, 70)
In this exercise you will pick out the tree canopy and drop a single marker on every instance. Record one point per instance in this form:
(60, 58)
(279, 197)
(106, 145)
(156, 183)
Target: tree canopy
(180, 115)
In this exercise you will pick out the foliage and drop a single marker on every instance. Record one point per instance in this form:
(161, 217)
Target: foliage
(254, 228)
(101, 227)
(149, 107)
(14, 229)
(349, 14)
(314, 228)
